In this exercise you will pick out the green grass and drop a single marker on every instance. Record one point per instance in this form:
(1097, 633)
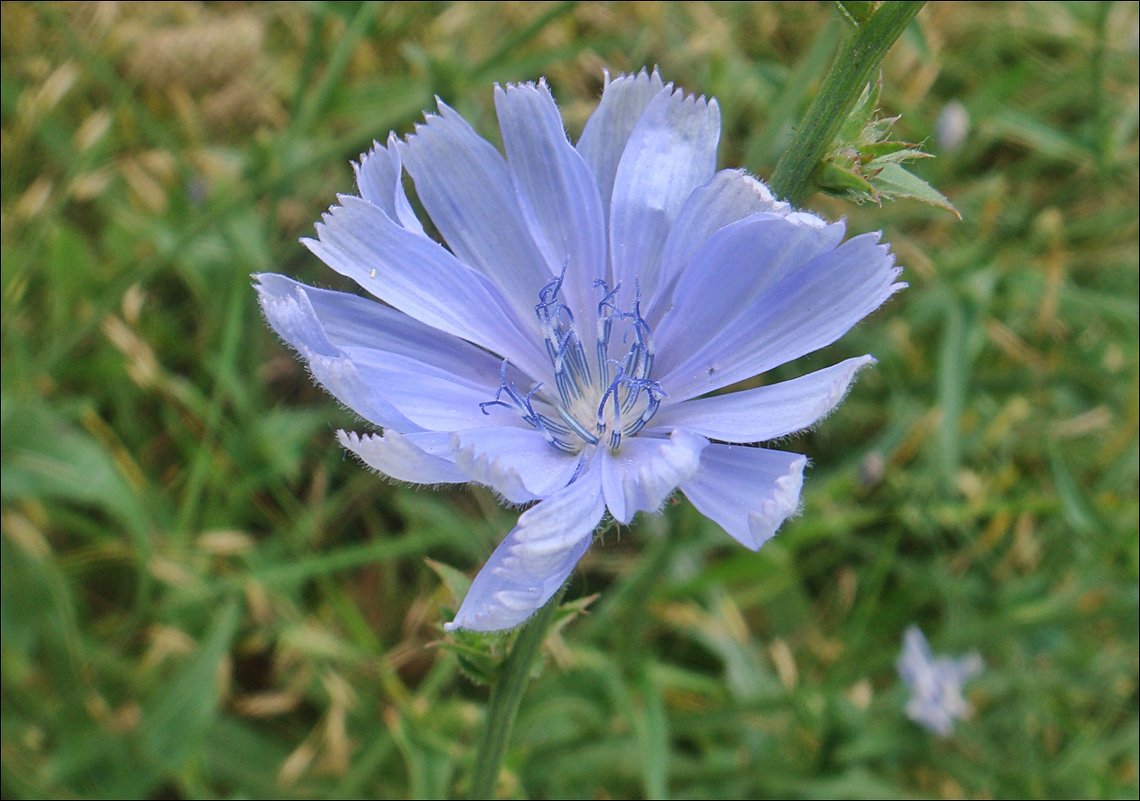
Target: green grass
(202, 597)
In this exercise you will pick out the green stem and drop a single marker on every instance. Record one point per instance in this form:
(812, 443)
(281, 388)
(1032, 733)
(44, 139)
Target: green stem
(505, 697)
(791, 180)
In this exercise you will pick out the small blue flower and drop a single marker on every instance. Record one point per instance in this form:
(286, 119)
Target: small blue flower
(563, 347)
(935, 683)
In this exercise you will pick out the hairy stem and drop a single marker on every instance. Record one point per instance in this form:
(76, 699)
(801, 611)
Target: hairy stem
(505, 697)
(841, 88)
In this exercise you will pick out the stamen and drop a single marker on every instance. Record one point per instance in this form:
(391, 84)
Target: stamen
(620, 389)
(654, 392)
(525, 407)
(611, 391)
(577, 427)
(607, 311)
(548, 295)
(607, 301)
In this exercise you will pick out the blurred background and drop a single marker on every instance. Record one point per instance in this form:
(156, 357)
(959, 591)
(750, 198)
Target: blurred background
(203, 597)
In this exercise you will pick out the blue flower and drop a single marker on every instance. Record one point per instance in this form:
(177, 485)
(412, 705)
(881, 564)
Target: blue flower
(935, 683)
(563, 346)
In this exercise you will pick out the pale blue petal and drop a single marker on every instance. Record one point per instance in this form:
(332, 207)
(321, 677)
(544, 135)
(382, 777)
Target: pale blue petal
(730, 195)
(421, 458)
(518, 463)
(764, 413)
(726, 275)
(430, 398)
(556, 190)
(936, 683)
(748, 492)
(353, 324)
(423, 280)
(388, 368)
(607, 131)
(291, 315)
(534, 560)
(646, 470)
(916, 657)
(805, 311)
(671, 152)
(378, 177)
(465, 186)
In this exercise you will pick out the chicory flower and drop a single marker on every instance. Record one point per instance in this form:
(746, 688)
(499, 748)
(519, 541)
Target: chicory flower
(563, 344)
(935, 683)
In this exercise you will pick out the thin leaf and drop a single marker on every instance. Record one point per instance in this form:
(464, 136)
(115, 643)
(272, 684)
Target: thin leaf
(894, 181)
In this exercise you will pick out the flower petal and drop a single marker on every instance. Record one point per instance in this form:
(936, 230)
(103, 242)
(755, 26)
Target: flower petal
(646, 470)
(607, 132)
(764, 413)
(422, 458)
(935, 682)
(378, 177)
(671, 152)
(431, 399)
(748, 492)
(730, 195)
(424, 281)
(534, 560)
(294, 320)
(518, 463)
(387, 367)
(916, 657)
(727, 273)
(352, 323)
(465, 186)
(805, 311)
(556, 191)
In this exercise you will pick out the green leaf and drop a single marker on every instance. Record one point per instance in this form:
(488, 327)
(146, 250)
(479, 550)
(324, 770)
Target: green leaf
(572, 610)
(1076, 508)
(47, 458)
(647, 713)
(480, 655)
(455, 580)
(887, 147)
(896, 156)
(895, 182)
(859, 121)
(876, 129)
(845, 181)
(857, 11)
(175, 725)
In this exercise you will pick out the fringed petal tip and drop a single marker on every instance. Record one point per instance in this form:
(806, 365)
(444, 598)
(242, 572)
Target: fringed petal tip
(643, 75)
(647, 470)
(423, 458)
(749, 492)
(769, 412)
(781, 504)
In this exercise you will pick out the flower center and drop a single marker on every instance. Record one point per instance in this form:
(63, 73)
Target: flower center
(597, 398)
